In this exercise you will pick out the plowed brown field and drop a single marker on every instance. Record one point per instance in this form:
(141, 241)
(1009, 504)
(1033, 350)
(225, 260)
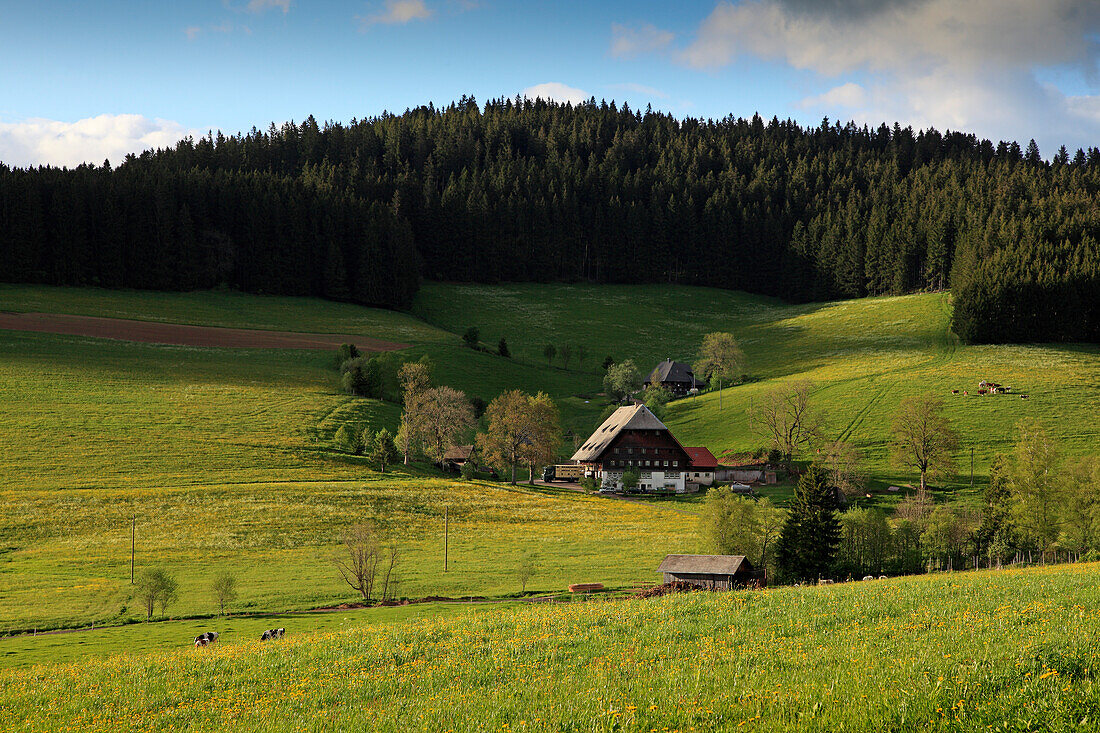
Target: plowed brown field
(182, 335)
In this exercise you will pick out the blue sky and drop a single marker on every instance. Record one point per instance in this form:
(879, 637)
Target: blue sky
(88, 80)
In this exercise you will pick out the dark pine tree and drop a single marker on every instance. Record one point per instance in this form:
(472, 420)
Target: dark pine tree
(808, 543)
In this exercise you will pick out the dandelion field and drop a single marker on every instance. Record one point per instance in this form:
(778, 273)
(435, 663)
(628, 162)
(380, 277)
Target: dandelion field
(993, 650)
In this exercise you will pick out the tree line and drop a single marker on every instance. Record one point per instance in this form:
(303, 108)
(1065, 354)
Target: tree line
(146, 226)
(524, 190)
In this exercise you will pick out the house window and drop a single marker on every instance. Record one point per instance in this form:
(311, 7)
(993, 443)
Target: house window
(647, 463)
(666, 461)
(675, 464)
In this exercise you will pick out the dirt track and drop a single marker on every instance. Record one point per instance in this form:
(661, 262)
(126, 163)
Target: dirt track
(171, 333)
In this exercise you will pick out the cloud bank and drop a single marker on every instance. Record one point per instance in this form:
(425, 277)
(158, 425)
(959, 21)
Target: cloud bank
(970, 65)
(556, 91)
(92, 140)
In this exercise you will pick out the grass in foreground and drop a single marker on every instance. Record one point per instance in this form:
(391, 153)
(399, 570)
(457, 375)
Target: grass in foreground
(1005, 651)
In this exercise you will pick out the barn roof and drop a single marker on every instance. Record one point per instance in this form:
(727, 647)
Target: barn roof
(673, 371)
(702, 458)
(705, 564)
(458, 453)
(631, 417)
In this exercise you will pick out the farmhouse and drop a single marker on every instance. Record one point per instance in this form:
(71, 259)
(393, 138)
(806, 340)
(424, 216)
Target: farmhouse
(702, 467)
(718, 572)
(674, 376)
(632, 438)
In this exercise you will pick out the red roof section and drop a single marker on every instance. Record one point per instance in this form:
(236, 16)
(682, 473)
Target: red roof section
(702, 458)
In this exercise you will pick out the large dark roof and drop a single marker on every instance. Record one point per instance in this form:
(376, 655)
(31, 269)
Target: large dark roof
(631, 417)
(675, 372)
(705, 564)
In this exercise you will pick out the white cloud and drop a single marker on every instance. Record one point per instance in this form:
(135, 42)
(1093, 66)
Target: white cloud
(629, 41)
(38, 141)
(556, 91)
(192, 32)
(259, 6)
(845, 95)
(641, 89)
(963, 65)
(399, 12)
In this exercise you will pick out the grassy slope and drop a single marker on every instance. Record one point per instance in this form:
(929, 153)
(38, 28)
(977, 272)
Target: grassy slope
(864, 356)
(1009, 650)
(223, 454)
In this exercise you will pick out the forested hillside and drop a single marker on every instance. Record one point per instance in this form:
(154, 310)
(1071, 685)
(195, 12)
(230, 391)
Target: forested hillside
(534, 191)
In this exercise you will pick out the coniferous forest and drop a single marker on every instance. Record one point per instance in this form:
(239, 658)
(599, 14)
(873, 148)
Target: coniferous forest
(536, 191)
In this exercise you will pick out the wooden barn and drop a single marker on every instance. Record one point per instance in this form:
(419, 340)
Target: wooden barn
(718, 572)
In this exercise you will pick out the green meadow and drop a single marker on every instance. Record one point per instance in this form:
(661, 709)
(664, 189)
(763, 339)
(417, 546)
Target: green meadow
(224, 455)
(863, 356)
(1007, 650)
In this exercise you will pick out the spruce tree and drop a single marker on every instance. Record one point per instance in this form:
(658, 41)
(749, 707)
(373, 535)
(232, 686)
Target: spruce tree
(808, 543)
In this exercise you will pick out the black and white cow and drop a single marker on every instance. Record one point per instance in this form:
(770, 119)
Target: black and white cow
(206, 638)
(272, 634)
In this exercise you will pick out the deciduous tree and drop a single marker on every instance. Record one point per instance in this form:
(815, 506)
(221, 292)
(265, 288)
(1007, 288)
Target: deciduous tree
(924, 438)
(156, 587)
(416, 379)
(784, 415)
(521, 427)
(224, 590)
(622, 380)
(720, 358)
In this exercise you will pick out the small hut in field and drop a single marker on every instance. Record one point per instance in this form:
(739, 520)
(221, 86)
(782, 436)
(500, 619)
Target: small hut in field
(717, 572)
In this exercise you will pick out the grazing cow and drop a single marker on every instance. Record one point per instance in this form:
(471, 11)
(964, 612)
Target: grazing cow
(868, 577)
(272, 634)
(206, 638)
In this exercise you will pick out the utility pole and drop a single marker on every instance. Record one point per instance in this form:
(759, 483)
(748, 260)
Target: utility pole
(133, 544)
(446, 535)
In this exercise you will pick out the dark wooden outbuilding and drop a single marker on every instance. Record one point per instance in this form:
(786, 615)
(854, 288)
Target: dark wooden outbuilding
(718, 572)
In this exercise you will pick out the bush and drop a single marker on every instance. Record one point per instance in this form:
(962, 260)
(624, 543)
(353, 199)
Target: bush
(472, 336)
(589, 484)
(478, 406)
(502, 349)
(363, 377)
(469, 471)
(346, 352)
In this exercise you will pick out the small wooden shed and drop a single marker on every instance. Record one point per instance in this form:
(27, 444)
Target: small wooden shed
(719, 572)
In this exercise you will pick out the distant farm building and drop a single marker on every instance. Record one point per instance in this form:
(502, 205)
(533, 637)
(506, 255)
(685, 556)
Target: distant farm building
(632, 438)
(718, 572)
(676, 377)
(458, 456)
(702, 467)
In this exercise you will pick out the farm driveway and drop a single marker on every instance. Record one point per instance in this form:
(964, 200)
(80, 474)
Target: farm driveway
(171, 333)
